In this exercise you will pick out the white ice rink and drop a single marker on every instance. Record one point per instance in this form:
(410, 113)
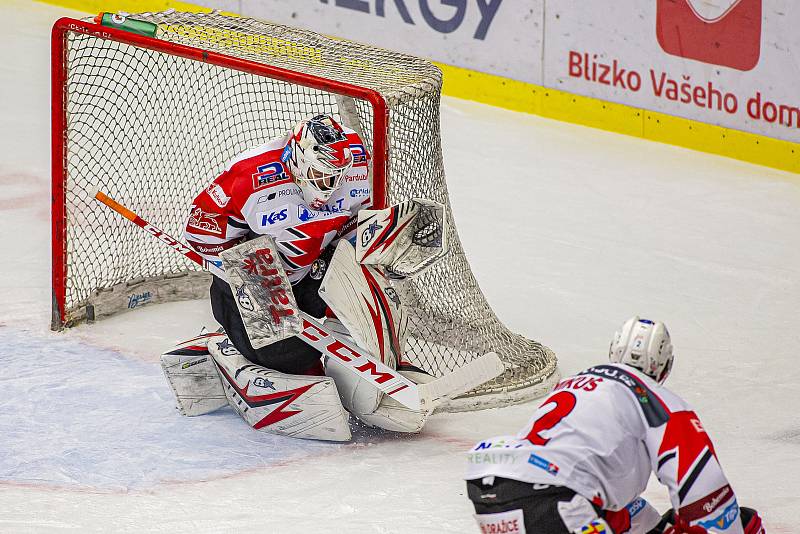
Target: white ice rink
(569, 230)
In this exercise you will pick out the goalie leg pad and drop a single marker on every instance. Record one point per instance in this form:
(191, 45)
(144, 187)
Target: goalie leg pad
(391, 415)
(369, 310)
(358, 396)
(368, 307)
(193, 377)
(299, 406)
(373, 407)
(367, 304)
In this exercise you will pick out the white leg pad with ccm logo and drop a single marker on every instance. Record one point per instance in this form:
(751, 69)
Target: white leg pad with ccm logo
(369, 311)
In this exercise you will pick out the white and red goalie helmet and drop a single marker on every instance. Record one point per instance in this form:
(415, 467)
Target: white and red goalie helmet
(318, 156)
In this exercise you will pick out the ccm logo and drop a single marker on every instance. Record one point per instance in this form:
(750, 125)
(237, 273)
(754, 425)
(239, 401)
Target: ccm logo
(167, 239)
(344, 353)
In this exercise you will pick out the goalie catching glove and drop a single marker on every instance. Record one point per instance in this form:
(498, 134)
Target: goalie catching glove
(406, 238)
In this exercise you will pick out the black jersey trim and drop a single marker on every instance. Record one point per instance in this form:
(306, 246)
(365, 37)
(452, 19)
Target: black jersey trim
(690, 480)
(236, 224)
(666, 458)
(654, 412)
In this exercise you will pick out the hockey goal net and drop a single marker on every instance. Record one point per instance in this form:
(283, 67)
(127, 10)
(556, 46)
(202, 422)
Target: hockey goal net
(151, 120)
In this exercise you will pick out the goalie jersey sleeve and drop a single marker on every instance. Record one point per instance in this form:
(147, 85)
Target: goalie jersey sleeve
(601, 433)
(256, 195)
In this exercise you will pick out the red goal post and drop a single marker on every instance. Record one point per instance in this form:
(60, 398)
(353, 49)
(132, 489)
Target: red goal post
(151, 120)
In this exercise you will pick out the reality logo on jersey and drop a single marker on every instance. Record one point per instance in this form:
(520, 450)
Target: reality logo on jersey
(267, 174)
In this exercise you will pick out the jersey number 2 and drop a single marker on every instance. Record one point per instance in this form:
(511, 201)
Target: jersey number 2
(565, 402)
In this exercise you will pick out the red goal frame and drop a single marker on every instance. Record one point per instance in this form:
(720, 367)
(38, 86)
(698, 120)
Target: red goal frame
(63, 26)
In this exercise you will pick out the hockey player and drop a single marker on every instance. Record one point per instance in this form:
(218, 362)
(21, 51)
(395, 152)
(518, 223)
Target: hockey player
(584, 458)
(305, 191)
(301, 189)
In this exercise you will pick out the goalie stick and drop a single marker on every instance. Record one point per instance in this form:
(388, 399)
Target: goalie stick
(414, 396)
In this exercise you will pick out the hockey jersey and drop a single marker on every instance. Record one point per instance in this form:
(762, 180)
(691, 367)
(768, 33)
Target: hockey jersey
(256, 195)
(601, 433)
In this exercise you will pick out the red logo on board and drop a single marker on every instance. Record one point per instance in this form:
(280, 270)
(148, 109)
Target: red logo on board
(732, 39)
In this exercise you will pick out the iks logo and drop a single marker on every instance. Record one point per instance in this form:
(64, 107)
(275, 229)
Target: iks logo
(275, 216)
(725, 32)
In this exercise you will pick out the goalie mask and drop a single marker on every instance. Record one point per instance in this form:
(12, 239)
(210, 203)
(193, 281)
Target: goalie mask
(318, 156)
(645, 345)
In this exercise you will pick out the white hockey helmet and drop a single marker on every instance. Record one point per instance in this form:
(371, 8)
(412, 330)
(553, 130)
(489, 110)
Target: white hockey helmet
(318, 156)
(645, 345)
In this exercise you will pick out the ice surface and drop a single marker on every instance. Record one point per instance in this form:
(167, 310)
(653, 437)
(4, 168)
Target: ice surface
(569, 230)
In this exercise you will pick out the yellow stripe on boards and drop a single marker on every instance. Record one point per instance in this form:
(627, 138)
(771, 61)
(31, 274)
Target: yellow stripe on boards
(620, 118)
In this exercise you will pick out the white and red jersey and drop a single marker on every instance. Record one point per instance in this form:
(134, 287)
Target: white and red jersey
(601, 433)
(257, 194)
